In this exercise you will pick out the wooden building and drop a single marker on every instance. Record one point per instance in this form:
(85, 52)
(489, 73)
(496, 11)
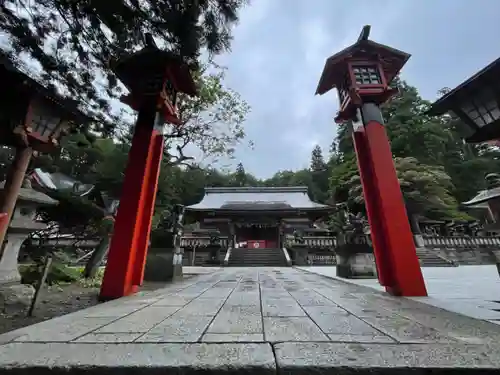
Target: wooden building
(255, 217)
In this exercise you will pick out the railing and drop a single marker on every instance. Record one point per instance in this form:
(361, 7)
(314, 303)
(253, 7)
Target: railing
(228, 255)
(322, 260)
(287, 257)
(460, 242)
(190, 242)
(312, 242)
(61, 242)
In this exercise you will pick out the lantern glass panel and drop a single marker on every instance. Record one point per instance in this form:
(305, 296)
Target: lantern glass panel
(482, 108)
(367, 75)
(44, 121)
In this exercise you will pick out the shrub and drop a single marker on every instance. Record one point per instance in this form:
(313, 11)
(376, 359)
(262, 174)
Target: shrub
(58, 273)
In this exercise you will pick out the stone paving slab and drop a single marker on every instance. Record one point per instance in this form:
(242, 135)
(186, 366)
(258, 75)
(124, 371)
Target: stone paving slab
(300, 321)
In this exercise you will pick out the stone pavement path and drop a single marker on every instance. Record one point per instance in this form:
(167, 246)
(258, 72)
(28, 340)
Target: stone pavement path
(267, 320)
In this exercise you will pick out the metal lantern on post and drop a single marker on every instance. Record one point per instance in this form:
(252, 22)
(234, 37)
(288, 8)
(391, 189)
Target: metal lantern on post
(362, 74)
(45, 127)
(477, 103)
(33, 119)
(154, 78)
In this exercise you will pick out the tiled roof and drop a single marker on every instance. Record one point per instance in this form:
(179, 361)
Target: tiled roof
(257, 199)
(483, 196)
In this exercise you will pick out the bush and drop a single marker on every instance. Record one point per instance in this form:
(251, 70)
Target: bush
(58, 273)
(94, 282)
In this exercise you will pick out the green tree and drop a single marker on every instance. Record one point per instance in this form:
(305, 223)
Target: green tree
(240, 177)
(319, 175)
(466, 163)
(74, 41)
(426, 190)
(317, 161)
(211, 122)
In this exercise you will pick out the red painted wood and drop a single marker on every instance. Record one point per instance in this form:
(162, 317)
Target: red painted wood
(256, 244)
(118, 275)
(150, 189)
(370, 194)
(406, 275)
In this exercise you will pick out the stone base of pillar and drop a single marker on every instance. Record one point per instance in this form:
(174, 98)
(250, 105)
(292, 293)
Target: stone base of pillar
(496, 254)
(159, 265)
(300, 256)
(356, 261)
(163, 265)
(177, 272)
(9, 272)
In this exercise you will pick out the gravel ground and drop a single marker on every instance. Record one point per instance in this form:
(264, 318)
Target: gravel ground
(56, 301)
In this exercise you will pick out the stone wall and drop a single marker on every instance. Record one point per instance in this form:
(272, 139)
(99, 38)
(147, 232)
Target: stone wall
(202, 257)
(467, 256)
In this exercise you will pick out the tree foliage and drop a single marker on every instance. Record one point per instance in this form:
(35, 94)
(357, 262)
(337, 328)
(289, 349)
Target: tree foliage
(74, 41)
(426, 190)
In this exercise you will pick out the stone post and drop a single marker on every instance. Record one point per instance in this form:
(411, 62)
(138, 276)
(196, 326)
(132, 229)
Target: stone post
(178, 251)
(12, 186)
(21, 225)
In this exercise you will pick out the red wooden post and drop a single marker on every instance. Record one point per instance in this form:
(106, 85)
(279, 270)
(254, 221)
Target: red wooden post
(118, 275)
(151, 187)
(362, 74)
(371, 204)
(400, 253)
(154, 78)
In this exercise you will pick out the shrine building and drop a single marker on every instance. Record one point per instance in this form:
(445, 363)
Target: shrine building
(252, 217)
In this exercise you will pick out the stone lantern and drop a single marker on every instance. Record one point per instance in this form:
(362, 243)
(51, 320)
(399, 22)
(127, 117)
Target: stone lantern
(23, 222)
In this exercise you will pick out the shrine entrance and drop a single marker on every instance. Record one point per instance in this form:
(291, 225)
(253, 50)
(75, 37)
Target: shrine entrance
(258, 235)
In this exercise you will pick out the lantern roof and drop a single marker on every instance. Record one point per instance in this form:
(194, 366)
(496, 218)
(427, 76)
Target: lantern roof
(150, 61)
(391, 59)
(15, 76)
(488, 76)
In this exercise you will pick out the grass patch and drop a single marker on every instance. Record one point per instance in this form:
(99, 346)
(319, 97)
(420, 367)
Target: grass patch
(59, 274)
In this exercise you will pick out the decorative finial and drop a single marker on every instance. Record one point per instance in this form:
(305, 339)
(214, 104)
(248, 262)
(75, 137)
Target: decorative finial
(365, 33)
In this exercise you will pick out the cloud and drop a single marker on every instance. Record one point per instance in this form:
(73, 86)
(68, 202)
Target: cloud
(280, 48)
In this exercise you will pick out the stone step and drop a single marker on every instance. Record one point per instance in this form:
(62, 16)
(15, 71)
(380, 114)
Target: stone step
(256, 257)
(429, 258)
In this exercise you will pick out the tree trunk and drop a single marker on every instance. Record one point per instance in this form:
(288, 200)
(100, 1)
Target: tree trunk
(96, 258)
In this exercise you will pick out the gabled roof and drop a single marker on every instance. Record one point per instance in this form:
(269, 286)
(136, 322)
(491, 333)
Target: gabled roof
(257, 199)
(482, 197)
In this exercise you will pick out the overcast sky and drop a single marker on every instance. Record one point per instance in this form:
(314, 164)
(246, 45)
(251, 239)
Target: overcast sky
(280, 47)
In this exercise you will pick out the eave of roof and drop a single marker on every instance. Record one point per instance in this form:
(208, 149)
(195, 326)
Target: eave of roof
(442, 105)
(483, 196)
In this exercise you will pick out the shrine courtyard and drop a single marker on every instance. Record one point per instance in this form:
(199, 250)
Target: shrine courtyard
(259, 320)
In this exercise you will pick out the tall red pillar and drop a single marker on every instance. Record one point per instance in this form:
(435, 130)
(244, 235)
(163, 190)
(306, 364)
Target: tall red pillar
(404, 276)
(118, 278)
(370, 194)
(362, 74)
(150, 189)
